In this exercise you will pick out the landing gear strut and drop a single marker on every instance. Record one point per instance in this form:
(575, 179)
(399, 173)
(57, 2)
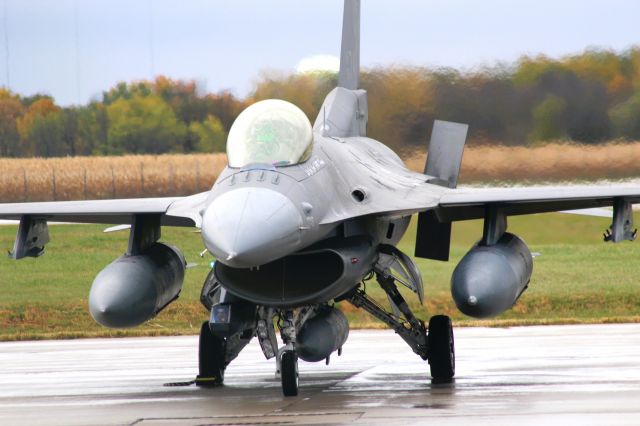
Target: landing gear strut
(287, 358)
(289, 372)
(230, 328)
(434, 344)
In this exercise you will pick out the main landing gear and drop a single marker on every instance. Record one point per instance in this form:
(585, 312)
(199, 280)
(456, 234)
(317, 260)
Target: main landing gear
(231, 327)
(211, 358)
(435, 344)
(441, 352)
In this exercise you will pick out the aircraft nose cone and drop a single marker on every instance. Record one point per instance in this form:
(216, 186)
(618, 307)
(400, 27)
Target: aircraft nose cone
(249, 227)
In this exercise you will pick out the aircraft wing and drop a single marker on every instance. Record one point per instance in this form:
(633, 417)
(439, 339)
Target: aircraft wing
(175, 211)
(469, 203)
(496, 204)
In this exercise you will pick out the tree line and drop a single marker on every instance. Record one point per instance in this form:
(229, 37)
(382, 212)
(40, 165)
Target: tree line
(591, 97)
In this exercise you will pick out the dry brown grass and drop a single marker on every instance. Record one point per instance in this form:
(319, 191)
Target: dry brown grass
(166, 175)
(77, 178)
(549, 162)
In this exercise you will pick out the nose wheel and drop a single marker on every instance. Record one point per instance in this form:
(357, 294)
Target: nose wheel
(289, 372)
(287, 357)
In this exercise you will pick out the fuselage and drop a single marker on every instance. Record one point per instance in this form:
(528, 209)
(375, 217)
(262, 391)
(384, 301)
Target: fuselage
(298, 201)
(259, 213)
(303, 234)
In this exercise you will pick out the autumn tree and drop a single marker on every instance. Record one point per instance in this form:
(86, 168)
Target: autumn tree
(209, 136)
(143, 124)
(548, 118)
(11, 109)
(588, 98)
(626, 118)
(40, 128)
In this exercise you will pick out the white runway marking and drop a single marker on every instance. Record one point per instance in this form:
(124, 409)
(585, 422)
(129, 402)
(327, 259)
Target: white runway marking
(531, 375)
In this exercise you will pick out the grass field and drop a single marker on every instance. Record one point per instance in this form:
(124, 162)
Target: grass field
(577, 278)
(167, 175)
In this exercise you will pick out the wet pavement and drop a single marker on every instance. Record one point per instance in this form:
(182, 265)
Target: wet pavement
(553, 375)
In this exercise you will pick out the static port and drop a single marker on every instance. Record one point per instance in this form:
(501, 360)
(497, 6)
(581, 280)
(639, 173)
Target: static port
(358, 195)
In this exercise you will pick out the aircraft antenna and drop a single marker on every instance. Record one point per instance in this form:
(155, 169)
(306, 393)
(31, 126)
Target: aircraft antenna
(348, 77)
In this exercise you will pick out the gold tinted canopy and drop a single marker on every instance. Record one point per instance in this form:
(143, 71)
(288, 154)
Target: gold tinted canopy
(270, 132)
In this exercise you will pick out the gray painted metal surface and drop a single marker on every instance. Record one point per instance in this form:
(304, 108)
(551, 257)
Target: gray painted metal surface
(348, 76)
(134, 288)
(32, 236)
(445, 152)
(322, 334)
(490, 278)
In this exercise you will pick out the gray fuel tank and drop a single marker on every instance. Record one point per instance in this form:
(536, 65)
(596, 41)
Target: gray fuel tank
(490, 279)
(322, 334)
(132, 289)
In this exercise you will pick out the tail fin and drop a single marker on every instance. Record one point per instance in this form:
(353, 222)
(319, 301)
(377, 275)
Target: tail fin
(345, 111)
(348, 76)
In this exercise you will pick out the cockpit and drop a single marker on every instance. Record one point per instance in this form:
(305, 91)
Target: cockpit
(270, 132)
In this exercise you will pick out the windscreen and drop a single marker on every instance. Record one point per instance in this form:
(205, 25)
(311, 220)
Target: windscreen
(270, 132)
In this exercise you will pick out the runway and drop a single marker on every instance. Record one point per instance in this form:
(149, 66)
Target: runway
(553, 375)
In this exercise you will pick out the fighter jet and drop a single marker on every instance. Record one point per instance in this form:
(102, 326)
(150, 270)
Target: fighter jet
(301, 218)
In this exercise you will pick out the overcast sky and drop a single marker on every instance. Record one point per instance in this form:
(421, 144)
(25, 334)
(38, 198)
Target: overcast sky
(75, 49)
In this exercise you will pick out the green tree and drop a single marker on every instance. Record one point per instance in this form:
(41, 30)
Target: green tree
(46, 135)
(548, 119)
(127, 91)
(224, 106)
(626, 118)
(92, 127)
(70, 131)
(10, 111)
(306, 91)
(209, 136)
(143, 124)
(34, 126)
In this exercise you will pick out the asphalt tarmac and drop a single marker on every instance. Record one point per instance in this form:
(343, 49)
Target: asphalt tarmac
(553, 375)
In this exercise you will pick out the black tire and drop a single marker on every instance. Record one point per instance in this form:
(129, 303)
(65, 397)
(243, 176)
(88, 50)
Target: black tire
(289, 373)
(442, 358)
(211, 363)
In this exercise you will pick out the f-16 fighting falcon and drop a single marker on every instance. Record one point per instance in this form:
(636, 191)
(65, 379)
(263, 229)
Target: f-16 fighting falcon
(302, 216)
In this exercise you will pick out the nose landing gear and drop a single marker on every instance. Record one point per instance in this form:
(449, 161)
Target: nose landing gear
(287, 358)
(289, 372)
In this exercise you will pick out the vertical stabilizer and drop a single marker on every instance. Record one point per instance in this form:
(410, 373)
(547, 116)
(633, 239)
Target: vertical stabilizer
(350, 50)
(345, 110)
